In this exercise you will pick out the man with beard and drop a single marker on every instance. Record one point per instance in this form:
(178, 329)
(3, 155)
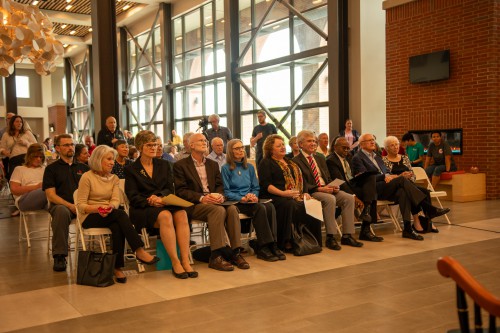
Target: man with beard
(60, 180)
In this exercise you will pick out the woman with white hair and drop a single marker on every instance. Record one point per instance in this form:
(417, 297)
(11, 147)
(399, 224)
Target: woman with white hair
(97, 202)
(398, 164)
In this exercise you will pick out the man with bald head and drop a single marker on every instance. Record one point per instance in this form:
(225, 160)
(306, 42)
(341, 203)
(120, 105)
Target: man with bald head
(217, 153)
(389, 187)
(110, 133)
(198, 180)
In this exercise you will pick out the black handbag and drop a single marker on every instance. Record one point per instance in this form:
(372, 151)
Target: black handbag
(95, 269)
(304, 243)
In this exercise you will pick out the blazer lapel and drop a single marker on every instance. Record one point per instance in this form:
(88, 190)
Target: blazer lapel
(337, 161)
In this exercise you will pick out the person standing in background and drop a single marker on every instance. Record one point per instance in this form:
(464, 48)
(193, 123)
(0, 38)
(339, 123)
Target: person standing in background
(259, 135)
(322, 144)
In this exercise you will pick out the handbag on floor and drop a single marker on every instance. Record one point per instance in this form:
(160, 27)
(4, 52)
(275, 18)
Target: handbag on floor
(304, 242)
(95, 269)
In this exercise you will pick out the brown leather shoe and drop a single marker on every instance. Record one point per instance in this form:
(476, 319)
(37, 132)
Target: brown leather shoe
(220, 264)
(239, 262)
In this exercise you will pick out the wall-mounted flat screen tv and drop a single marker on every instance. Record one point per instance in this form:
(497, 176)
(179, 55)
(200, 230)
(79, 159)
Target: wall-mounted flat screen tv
(430, 67)
(453, 137)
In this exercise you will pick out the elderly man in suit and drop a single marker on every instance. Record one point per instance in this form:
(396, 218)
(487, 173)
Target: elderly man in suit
(391, 187)
(316, 179)
(340, 167)
(198, 180)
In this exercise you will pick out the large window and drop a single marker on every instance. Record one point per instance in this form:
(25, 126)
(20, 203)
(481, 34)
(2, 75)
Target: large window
(146, 97)
(199, 66)
(284, 78)
(22, 86)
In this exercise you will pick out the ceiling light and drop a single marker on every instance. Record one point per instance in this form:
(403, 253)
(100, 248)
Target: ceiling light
(179, 38)
(90, 29)
(27, 34)
(72, 32)
(126, 7)
(222, 21)
(68, 7)
(64, 26)
(65, 45)
(317, 1)
(209, 24)
(34, 3)
(276, 27)
(68, 1)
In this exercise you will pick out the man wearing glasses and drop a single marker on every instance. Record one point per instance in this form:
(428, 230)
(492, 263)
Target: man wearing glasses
(198, 180)
(60, 180)
(340, 167)
(389, 187)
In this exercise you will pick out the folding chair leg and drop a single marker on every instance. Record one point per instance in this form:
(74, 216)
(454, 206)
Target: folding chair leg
(441, 206)
(394, 219)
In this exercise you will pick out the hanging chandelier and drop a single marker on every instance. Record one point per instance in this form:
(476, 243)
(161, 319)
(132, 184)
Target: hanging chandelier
(26, 34)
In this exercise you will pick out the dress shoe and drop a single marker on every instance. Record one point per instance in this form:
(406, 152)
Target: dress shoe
(368, 235)
(183, 275)
(411, 234)
(121, 279)
(265, 254)
(277, 252)
(349, 240)
(435, 230)
(220, 264)
(434, 212)
(193, 274)
(59, 263)
(365, 214)
(192, 242)
(332, 244)
(151, 262)
(239, 262)
(408, 232)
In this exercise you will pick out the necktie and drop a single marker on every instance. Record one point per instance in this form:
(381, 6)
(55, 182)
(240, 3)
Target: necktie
(314, 170)
(348, 173)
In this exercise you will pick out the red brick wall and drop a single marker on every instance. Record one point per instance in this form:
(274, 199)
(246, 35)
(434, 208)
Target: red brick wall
(469, 99)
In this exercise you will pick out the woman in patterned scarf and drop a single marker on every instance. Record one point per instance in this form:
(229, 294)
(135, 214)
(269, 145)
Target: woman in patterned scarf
(281, 180)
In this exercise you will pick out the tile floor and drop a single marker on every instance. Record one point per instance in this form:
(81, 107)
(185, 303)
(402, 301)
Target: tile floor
(388, 287)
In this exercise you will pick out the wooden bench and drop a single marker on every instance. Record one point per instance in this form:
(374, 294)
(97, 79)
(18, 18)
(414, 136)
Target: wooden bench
(464, 187)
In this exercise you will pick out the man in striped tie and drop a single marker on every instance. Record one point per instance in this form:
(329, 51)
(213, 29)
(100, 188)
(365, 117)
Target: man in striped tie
(316, 179)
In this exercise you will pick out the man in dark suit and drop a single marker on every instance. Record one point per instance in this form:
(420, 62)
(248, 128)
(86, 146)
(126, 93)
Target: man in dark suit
(340, 167)
(391, 187)
(198, 180)
(316, 179)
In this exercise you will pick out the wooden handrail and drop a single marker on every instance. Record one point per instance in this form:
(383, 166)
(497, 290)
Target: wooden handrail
(449, 267)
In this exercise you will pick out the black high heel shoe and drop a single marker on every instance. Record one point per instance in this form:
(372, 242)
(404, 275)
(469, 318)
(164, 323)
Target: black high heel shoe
(193, 274)
(183, 275)
(151, 262)
(121, 279)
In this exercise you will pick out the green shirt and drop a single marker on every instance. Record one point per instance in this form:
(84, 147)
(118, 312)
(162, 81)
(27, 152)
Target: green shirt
(414, 152)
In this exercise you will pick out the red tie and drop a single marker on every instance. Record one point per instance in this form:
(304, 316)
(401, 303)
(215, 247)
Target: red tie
(314, 170)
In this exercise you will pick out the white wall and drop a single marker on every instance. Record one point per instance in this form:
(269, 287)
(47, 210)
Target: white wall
(367, 67)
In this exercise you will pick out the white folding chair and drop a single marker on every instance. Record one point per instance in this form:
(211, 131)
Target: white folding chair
(91, 233)
(24, 231)
(394, 219)
(421, 175)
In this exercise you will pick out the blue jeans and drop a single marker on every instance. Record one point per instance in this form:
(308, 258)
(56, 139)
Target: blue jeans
(437, 170)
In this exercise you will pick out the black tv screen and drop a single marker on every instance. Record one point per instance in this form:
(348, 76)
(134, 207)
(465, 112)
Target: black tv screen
(430, 67)
(451, 136)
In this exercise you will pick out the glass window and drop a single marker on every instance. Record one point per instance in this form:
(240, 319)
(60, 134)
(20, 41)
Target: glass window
(305, 37)
(208, 24)
(22, 86)
(192, 30)
(193, 64)
(178, 36)
(271, 93)
(194, 100)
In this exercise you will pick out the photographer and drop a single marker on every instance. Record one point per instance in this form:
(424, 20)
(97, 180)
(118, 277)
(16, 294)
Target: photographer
(218, 131)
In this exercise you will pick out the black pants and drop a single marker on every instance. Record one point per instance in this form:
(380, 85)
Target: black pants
(263, 220)
(402, 191)
(121, 228)
(15, 162)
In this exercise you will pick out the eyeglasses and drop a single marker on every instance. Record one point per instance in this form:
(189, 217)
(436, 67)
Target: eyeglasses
(239, 148)
(151, 145)
(370, 140)
(67, 145)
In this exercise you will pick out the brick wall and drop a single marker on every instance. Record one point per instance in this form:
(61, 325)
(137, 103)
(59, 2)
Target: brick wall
(469, 99)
